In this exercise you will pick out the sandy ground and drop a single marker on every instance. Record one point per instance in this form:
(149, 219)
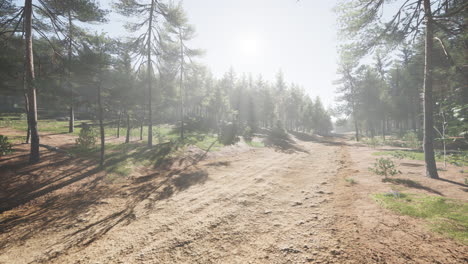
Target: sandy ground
(240, 205)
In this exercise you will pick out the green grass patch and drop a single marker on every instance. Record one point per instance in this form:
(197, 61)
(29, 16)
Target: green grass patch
(255, 144)
(43, 125)
(445, 216)
(121, 158)
(401, 154)
(459, 159)
(118, 168)
(161, 133)
(17, 139)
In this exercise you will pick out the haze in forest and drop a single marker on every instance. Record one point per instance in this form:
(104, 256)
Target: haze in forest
(222, 131)
(263, 37)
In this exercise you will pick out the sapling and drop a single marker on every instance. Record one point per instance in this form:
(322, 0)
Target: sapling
(5, 146)
(384, 167)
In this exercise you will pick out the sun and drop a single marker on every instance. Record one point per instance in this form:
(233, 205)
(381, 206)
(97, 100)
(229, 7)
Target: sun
(249, 45)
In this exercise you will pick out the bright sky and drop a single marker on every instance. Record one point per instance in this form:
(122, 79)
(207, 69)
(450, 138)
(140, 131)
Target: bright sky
(263, 36)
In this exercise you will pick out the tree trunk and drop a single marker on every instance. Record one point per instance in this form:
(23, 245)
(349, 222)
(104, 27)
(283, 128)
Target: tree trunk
(141, 127)
(71, 123)
(431, 169)
(414, 116)
(29, 83)
(101, 126)
(150, 117)
(356, 127)
(127, 137)
(181, 86)
(118, 124)
(383, 128)
(26, 106)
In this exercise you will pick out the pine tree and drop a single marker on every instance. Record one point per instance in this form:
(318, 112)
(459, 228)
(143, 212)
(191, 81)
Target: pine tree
(153, 13)
(29, 78)
(72, 10)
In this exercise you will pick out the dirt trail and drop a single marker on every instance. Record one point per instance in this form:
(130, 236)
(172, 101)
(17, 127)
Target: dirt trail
(256, 207)
(253, 206)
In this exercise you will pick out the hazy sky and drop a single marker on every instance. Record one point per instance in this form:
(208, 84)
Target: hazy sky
(263, 36)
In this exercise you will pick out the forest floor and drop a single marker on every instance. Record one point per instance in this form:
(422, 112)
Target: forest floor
(240, 204)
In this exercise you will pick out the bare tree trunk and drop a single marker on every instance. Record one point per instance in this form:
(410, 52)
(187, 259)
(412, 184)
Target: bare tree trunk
(413, 115)
(71, 123)
(26, 101)
(101, 126)
(141, 127)
(29, 83)
(150, 118)
(431, 169)
(383, 128)
(127, 137)
(26, 106)
(181, 85)
(356, 126)
(118, 124)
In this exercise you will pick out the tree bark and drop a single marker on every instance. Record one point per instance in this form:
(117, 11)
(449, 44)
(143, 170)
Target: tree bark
(29, 83)
(118, 124)
(127, 136)
(71, 123)
(26, 107)
(101, 126)
(150, 117)
(431, 169)
(141, 127)
(181, 85)
(383, 128)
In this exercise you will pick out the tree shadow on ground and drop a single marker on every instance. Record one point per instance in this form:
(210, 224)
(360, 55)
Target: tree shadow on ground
(411, 184)
(411, 164)
(453, 182)
(71, 195)
(329, 141)
(282, 141)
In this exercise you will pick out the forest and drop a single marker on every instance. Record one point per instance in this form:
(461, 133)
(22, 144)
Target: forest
(135, 150)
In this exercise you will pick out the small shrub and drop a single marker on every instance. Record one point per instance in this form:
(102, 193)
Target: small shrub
(373, 142)
(393, 193)
(248, 134)
(385, 167)
(279, 132)
(411, 140)
(398, 154)
(6, 122)
(228, 134)
(87, 137)
(5, 146)
(350, 181)
(458, 159)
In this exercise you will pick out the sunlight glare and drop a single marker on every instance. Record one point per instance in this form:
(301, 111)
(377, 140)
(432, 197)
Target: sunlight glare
(249, 46)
